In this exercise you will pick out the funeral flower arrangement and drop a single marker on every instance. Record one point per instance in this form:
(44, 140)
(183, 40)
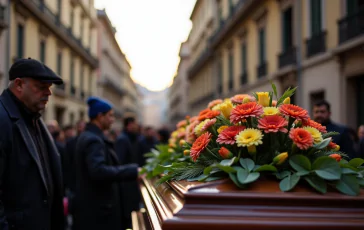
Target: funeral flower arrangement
(249, 136)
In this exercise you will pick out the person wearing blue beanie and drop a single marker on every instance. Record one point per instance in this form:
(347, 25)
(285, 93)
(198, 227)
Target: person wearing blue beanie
(98, 173)
(96, 106)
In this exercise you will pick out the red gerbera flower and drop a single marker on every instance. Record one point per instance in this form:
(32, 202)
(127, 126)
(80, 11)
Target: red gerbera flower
(208, 114)
(315, 125)
(227, 136)
(243, 111)
(273, 124)
(294, 111)
(199, 145)
(301, 138)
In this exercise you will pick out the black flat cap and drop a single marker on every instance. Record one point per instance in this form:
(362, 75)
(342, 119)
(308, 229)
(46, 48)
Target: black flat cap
(33, 69)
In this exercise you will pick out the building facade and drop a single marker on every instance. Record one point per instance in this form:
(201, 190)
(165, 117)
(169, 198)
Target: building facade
(316, 45)
(4, 32)
(178, 92)
(63, 35)
(113, 66)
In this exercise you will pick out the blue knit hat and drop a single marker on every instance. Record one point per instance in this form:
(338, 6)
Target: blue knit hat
(97, 105)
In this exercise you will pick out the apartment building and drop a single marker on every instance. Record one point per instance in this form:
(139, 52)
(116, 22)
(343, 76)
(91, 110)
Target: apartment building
(63, 35)
(178, 92)
(316, 45)
(3, 41)
(114, 68)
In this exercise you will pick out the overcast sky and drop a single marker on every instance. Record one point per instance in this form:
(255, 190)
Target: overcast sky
(150, 33)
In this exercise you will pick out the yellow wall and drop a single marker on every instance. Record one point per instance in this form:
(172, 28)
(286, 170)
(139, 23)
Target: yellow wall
(252, 51)
(333, 8)
(272, 35)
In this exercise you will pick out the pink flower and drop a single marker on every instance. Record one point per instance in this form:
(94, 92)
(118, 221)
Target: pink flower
(227, 136)
(273, 124)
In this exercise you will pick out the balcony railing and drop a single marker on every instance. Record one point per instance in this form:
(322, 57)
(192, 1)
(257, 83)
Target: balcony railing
(262, 70)
(73, 90)
(202, 59)
(82, 94)
(219, 89)
(244, 78)
(316, 44)
(351, 26)
(288, 57)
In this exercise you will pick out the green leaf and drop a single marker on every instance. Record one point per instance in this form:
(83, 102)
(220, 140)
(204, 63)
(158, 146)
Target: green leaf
(270, 98)
(348, 166)
(282, 175)
(356, 162)
(247, 163)
(348, 185)
(327, 168)
(274, 89)
(323, 144)
(207, 170)
(227, 169)
(198, 178)
(266, 168)
(213, 178)
(289, 182)
(234, 178)
(317, 183)
(244, 177)
(343, 161)
(302, 173)
(227, 162)
(301, 164)
(329, 134)
(360, 181)
(348, 171)
(160, 169)
(288, 93)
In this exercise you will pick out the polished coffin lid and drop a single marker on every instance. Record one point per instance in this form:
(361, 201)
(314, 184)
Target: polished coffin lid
(221, 205)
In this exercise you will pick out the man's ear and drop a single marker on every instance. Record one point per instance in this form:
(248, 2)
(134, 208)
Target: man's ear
(18, 83)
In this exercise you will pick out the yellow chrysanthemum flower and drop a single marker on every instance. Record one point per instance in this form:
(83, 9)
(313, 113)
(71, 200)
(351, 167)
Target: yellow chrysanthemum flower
(226, 108)
(287, 101)
(269, 111)
(221, 128)
(198, 128)
(249, 137)
(316, 135)
(216, 107)
(263, 98)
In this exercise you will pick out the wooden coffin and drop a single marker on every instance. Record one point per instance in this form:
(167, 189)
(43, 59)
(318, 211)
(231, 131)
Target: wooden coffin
(221, 205)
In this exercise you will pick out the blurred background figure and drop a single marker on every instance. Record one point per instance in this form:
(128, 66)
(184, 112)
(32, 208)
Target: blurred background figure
(53, 126)
(69, 132)
(361, 141)
(163, 135)
(147, 142)
(322, 115)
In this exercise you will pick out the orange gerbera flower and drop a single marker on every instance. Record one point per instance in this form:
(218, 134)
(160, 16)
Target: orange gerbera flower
(227, 136)
(213, 103)
(273, 124)
(208, 114)
(333, 146)
(315, 125)
(294, 111)
(199, 145)
(336, 156)
(181, 124)
(301, 138)
(238, 99)
(250, 109)
(225, 153)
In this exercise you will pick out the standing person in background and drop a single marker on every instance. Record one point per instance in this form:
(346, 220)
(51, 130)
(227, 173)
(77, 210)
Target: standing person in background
(69, 132)
(147, 142)
(128, 150)
(30, 168)
(99, 173)
(322, 115)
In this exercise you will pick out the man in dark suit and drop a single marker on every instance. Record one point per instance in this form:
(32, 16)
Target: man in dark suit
(99, 173)
(30, 169)
(322, 114)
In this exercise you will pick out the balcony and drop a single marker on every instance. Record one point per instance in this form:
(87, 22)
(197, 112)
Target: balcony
(60, 90)
(262, 70)
(73, 90)
(219, 89)
(82, 95)
(288, 57)
(3, 24)
(40, 10)
(244, 78)
(351, 26)
(316, 44)
(199, 63)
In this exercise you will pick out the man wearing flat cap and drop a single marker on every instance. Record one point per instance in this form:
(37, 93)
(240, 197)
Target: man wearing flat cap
(30, 169)
(98, 174)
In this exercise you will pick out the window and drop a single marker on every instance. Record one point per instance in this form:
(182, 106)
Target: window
(72, 18)
(81, 28)
(81, 76)
(315, 17)
(221, 19)
(90, 84)
(20, 41)
(287, 29)
(231, 69)
(72, 76)
(261, 46)
(42, 51)
(231, 7)
(59, 7)
(59, 63)
(352, 6)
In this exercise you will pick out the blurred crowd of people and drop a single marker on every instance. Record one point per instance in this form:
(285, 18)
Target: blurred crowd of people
(130, 143)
